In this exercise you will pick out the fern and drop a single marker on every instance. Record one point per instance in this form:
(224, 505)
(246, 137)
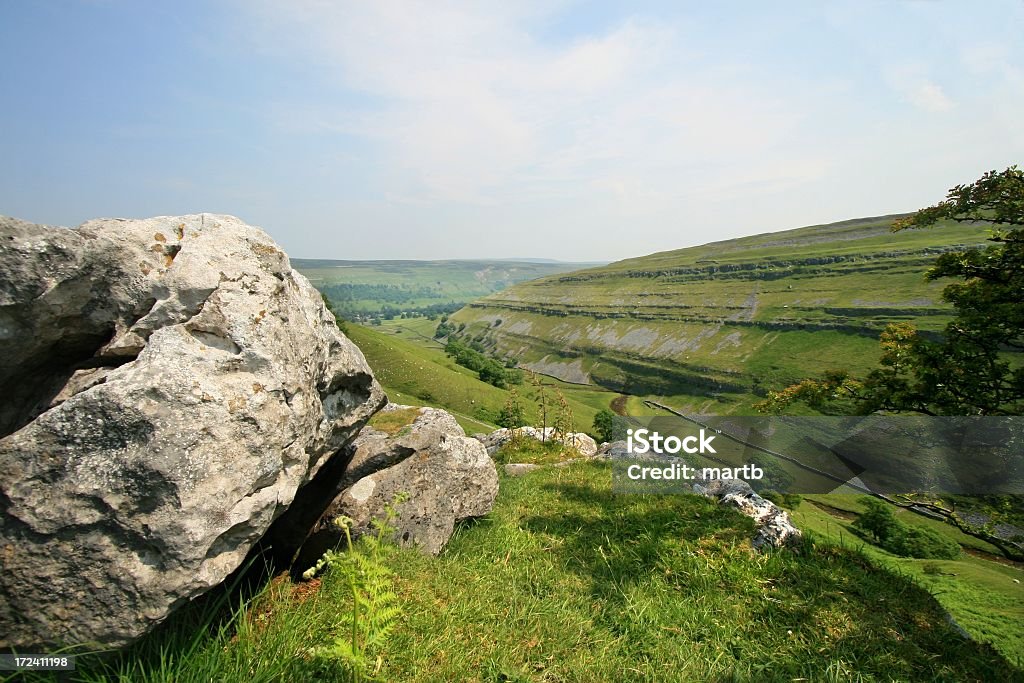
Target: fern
(376, 608)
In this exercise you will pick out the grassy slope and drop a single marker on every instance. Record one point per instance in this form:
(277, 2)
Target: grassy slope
(414, 370)
(985, 597)
(565, 581)
(710, 326)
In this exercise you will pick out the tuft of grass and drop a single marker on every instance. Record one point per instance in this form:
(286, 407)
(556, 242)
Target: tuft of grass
(529, 450)
(394, 421)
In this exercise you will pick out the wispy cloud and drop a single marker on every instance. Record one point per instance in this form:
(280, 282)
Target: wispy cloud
(912, 83)
(471, 106)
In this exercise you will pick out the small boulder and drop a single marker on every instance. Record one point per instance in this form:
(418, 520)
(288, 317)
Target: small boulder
(774, 527)
(446, 477)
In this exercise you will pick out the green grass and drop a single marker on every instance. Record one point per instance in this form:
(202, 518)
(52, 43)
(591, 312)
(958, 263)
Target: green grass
(533, 452)
(416, 371)
(394, 421)
(565, 581)
(982, 595)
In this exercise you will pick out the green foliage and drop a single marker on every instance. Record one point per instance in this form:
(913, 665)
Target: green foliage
(790, 501)
(512, 414)
(375, 606)
(976, 367)
(488, 369)
(604, 425)
(909, 541)
(443, 329)
(879, 520)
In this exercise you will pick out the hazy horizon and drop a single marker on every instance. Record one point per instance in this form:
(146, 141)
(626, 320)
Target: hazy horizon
(581, 132)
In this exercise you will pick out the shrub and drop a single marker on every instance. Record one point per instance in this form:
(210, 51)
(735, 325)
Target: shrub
(604, 425)
(878, 519)
(913, 541)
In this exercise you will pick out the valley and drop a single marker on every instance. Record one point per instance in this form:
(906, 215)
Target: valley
(381, 290)
(712, 328)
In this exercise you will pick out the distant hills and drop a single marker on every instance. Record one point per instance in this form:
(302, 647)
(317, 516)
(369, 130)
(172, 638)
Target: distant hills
(712, 327)
(362, 290)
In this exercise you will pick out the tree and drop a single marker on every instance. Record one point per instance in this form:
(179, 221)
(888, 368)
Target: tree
(877, 519)
(604, 424)
(976, 367)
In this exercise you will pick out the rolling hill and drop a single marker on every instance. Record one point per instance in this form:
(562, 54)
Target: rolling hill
(712, 327)
(368, 289)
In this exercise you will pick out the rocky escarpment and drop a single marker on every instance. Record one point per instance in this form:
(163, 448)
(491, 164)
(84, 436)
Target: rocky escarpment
(170, 385)
(716, 326)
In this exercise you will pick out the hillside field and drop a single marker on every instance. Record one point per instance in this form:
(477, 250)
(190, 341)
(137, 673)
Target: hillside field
(712, 328)
(566, 581)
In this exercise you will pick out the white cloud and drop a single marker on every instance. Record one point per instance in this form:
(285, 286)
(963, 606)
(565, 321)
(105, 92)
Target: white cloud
(912, 84)
(471, 114)
(472, 108)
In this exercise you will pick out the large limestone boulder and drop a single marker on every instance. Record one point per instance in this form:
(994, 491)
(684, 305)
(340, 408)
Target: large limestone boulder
(444, 475)
(169, 386)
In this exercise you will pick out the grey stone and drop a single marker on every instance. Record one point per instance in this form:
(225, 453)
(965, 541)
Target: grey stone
(447, 476)
(518, 469)
(583, 443)
(169, 385)
(774, 527)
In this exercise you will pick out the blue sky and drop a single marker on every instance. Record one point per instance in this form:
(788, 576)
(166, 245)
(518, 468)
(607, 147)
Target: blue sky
(570, 130)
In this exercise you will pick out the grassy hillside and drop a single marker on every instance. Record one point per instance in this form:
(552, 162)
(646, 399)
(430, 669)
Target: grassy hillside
(413, 369)
(711, 327)
(565, 581)
(359, 289)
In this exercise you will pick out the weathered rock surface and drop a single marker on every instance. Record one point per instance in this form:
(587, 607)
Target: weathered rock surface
(169, 385)
(774, 528)
(583, 443)
(518, 469)
(446, 475)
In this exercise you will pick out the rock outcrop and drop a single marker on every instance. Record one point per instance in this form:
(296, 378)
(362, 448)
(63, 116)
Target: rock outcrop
(169, 386)
(774, 527)
(583, 443)
(443, 475)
